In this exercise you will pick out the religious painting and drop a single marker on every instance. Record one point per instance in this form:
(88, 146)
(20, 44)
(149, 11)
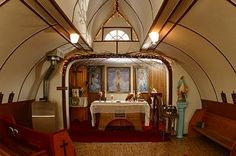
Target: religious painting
(118, 79)
(141, 79)
(182, 89)
(95, 79)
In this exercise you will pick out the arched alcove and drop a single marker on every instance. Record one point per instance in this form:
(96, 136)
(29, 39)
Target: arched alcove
(158, 69)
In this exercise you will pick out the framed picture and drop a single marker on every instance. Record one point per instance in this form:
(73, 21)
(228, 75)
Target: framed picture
(95, 79)
(141, 79)
(118, 79)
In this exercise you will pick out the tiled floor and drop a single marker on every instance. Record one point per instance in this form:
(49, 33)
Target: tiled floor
(176, 147)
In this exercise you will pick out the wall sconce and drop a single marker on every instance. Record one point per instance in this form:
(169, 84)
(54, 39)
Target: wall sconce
(74, 37)
(154, 36)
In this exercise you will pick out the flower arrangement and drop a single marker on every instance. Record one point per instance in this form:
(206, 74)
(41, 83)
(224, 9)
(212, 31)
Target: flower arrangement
(154, 90)
(100, 94)
(129, 97)
(138, 95)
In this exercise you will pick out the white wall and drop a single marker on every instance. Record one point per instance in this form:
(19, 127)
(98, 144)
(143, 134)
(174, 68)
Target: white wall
(193, 97)
(55, 95)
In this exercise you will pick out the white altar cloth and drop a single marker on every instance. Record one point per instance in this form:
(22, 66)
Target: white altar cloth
(120, 107)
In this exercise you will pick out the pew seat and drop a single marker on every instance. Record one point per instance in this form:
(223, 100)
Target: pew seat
(219, 129)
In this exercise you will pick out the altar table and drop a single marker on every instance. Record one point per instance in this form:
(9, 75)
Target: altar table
(120, 107)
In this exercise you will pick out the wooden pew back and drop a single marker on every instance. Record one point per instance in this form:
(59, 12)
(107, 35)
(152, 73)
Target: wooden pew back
(12, 135)
(21, 111)
(221, 125)
(26, 141)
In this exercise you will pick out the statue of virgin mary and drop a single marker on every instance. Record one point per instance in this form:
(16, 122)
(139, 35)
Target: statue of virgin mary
(182, 89)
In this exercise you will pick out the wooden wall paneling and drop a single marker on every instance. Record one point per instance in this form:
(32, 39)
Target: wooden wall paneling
(158, 80)
(78, 77)
(82, 78)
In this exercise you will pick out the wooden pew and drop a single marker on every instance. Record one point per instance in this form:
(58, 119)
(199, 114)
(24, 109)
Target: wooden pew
(27, 142)
(21, 111)
(216, 122)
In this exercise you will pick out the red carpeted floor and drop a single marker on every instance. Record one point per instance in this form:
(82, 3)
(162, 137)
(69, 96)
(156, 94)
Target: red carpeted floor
(83, 132)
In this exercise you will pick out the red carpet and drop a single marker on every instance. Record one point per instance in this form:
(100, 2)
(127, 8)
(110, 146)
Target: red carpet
(83, 132)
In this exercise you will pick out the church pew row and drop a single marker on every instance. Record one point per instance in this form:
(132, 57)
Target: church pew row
(27, 142)
(217, 121)
(20, 110)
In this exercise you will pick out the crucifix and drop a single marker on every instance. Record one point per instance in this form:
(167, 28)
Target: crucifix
(64, 144)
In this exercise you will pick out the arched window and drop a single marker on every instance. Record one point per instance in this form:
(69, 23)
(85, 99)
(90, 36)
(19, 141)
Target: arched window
(116, 35)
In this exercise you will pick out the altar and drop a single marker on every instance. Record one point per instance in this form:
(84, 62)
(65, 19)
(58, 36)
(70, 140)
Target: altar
(120, 110)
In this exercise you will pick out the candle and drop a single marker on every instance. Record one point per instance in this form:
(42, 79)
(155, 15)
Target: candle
(112, 98)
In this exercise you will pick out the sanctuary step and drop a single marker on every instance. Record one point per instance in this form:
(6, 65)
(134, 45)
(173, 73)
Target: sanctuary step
(120, 124)
(128, 119)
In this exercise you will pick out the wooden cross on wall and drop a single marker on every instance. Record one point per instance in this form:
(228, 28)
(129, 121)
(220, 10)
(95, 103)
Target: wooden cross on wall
(64, 145)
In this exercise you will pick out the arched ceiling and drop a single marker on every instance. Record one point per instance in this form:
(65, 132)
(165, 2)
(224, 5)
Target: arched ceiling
(199, 35)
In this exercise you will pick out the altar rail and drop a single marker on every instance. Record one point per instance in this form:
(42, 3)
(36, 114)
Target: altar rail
(27, 142)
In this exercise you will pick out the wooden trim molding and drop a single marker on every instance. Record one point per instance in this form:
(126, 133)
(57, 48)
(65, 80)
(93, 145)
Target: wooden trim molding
(181, 17)
(232, 2)
(3, 2)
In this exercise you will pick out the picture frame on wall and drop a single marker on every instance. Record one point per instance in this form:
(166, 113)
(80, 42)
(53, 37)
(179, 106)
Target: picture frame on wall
(95, 79)
(118, 79)
(142, 80)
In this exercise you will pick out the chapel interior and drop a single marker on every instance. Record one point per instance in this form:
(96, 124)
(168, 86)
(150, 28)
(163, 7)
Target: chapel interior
(117, 77)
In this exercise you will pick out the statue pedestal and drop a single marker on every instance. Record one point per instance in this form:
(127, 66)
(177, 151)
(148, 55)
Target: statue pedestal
(181, 105)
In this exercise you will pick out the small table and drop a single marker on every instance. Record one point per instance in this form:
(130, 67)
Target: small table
(170, 122)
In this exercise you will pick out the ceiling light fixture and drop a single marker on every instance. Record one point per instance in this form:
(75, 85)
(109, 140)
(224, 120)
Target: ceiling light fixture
(154, 36)
(74, 37)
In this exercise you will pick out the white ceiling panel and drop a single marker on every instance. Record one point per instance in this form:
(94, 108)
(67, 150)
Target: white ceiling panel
(14, 31)
(217, 26)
